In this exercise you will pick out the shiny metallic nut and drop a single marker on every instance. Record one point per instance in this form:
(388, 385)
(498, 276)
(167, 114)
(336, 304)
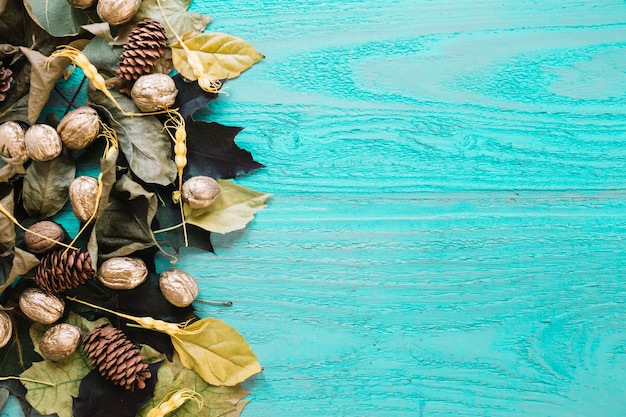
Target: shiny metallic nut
(6, 328)
(122, 273)
(154, 92)
(12, 142)
(41, 306)
(79, 128)
(83, 194)
(37, 244)
(116, 12)
(178, 287)
(42, 142)
(200, 192)
(59, 342)
(81, 4)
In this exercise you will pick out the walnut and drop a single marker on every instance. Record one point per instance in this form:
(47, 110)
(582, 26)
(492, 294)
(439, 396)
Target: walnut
(200, 192)
(122, 273)
(154, 92)
(117, 12)
(83, 194)
(6, 328)
(81, 4)
(37, 244)
(12, 142)
(79, 128)
(59, 342)
(41, 306)
(178, 287)
(42, 142)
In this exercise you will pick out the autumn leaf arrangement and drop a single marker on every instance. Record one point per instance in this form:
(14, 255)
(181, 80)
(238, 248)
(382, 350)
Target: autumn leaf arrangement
(88, 325)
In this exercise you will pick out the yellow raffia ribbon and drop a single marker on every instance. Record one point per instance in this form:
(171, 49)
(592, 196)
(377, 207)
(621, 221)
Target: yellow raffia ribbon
(174, 400)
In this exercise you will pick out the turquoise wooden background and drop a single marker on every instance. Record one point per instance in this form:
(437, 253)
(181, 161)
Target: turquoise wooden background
(447, 229)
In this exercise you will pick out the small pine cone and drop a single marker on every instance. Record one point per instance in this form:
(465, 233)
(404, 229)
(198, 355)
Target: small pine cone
(115, 357)
(60, 271)
(6, 79)
(143, 49)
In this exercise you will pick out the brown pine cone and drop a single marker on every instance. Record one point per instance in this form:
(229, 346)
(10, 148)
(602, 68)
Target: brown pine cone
(6, 79)
(60, 271)
(144, 47)
(116, 357)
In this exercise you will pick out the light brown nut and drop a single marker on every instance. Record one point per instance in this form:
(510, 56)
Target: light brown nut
(117, 12)
(122, 273)
(42, 142)
(81, 4)
(79, 128)
(12, 142)
(154, 92)
(200, 192)
(6, 328)
(41, 306)
(83, 194)
(37, 244)
(59, 342)
(178, 287)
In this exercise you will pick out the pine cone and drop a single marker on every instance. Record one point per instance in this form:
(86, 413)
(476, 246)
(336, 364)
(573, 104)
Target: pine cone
(6, 78)
(58, 272)
(144, 47)
(115, 357)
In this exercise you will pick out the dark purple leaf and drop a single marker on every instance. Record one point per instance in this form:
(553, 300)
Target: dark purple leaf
(190, 97)
(98, 397)
(211, 151)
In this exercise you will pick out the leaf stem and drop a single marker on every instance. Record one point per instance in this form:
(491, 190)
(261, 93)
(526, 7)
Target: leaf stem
(36, 381)
(4, 211)
(215, 303)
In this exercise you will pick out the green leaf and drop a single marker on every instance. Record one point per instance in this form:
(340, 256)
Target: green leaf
(65, 375)
(217, 401)
(142, 140)
(177, 15)
(46, 185)
(233, 209)
(222, 56)
(108, 169)
(7, 228)
(216, 351)
(124, 227)
(57, 17)
(103, 55)
(17, 112)
(19, 354)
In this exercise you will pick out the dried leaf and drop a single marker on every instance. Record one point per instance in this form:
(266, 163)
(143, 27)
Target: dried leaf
(149, 155)
(65, 375)
(212, 151)
(19, 354)
(57, 17)
(22, 262)
(98, 397)
(232, 210)
(178, 16)
(43, 78)
(190, 97)
(223, 56)
(7, 228)
(216, 351)
(124, 227)
(46, 186)
(17, 112)
(100, 29)
(103, 55)
(218, 401)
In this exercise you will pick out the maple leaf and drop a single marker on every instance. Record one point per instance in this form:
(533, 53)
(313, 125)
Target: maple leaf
(211, 151)
(217, 401)
(190, 97)
(65, 376)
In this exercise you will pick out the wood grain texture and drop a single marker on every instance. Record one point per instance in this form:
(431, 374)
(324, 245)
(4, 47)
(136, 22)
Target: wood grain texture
(447, 228)
(446, 235)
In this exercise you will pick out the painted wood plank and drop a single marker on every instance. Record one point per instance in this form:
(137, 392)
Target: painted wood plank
(446, 232)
